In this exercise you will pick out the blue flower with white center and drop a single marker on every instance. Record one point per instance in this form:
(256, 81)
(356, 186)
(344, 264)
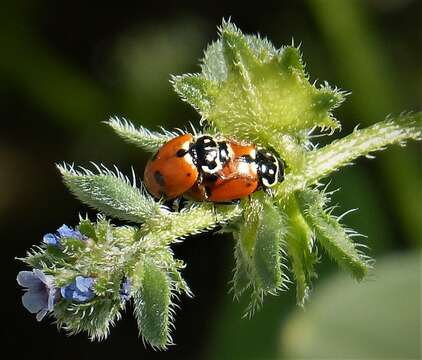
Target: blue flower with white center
(40, 293)
(63, 232)
(81, 290)
(125, 289)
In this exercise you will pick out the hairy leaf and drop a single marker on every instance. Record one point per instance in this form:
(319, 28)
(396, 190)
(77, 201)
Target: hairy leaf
(110, 192)
(333, 237)
(300, 247)
(330, 158)
(149, 141)
(258, 252)
(152, 306)
(252, 91)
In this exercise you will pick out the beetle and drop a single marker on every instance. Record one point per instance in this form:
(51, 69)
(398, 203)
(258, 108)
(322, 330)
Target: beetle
(182, 162)
(249, 168)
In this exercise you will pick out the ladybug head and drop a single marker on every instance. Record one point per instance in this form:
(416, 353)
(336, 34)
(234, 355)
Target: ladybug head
(206, 154)
(270, 168)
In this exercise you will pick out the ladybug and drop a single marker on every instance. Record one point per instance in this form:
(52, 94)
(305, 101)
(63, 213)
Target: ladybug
(248, 169)
(183, 161)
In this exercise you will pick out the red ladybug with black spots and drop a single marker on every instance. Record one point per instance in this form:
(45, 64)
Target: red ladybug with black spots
(204, 168)
(248, 169)
(182, 162)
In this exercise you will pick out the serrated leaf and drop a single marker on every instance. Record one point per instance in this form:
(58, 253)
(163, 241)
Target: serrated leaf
(152, 306)
(213, 65)
(196, 90)
(262, 92)
(290, 61)
(111, 193)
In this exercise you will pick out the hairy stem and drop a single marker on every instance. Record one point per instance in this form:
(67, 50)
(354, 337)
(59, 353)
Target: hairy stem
(321, 163)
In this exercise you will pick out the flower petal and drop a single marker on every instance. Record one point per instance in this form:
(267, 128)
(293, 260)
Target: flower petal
(67, 291)
(41, 314)
(65, 231)
(68, 232)
(41, 275)
(84, 283)
(80, 296)
(52, 298)
(50, 239)
(27, 279)
(34, 301)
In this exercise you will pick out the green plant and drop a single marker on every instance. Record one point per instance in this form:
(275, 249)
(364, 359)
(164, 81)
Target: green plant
(248, 90)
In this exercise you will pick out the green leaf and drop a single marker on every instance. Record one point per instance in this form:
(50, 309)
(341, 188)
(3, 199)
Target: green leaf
(111, 193)
(241, 277)
(152, 306)
(342, 152)
(300, 247)
(95, 318)
(149, 141)
(320, 163)
(333, 237)
(258, 251)
(87, 228)
(191, 220)
(268, 248)
(195, 90)
(253, 92)
(213, 65)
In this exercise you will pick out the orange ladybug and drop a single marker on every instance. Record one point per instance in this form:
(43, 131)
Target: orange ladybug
(248, 169)
(181, 162)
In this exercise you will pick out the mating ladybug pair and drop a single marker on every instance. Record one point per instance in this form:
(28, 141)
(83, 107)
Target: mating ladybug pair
(205, 168)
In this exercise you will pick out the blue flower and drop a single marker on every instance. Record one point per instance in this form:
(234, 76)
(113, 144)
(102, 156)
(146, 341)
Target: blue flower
(125, 289)
(67, 232)
(51, 239)
(81, 290)
(63, 232)
(40, 293)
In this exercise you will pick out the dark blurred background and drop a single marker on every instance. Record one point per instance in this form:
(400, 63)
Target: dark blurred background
(66, 66)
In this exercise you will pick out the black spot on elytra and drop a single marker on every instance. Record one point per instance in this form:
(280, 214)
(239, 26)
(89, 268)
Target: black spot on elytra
(159, 178)
(181, 152)
(188, 174)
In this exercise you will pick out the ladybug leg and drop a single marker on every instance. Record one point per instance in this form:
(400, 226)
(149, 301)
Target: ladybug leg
(175, 205)
(268, 191)
(214, 211)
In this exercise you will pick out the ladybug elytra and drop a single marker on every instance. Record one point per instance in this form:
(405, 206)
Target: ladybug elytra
(180, 162)
(204, 168)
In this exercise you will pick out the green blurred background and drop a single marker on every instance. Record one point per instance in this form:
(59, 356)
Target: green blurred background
(67, 66)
